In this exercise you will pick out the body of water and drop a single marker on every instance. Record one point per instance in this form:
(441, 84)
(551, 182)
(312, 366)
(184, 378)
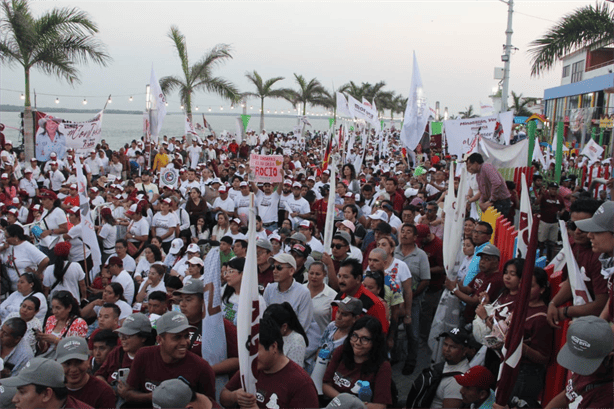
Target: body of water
(119, 129)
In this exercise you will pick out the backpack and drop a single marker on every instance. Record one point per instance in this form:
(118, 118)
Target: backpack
(423, 389)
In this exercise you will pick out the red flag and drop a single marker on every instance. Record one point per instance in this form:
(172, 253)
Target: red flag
(508, 371)
(327, 157)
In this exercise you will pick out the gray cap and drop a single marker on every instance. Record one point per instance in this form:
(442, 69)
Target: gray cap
(299, 236)
(343, 235)
(589, 341)
(172, 393)
(264, 244)
(346, 401)
(71, 348)
(6, 396)
(135, 323)
(38, 371)
(173, 322)
(490, 250)
(602, 220)
(191, 287)
(349, 304)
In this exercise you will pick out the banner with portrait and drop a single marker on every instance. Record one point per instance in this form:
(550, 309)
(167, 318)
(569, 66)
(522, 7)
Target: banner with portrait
(54, 134)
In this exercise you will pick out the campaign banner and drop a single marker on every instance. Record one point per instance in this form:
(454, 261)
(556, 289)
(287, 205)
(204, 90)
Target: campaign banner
(461, 132)
(169, 177)
(592, 151)
(57, 135)
(266, 168)
(361, 111)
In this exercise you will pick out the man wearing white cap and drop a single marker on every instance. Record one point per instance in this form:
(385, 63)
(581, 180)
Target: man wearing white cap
(223, 203)
(242, 202)
(28, 183)
(267, 202)
(298, 204)
(165, 224)
(56, 178)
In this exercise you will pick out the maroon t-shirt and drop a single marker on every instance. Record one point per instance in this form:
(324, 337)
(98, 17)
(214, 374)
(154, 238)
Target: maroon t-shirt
(587, 258)
(109, 368)
(434, 250)
(265, 278)
(72, 403)
(291, 387)
(344, 379)
(537, 332)
(149, 370)
(480, 284)
(95, 393)
(598, 395)
(549, 206)
(232, 350)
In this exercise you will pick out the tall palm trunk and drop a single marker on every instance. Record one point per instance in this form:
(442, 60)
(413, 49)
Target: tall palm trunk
(28, 121)
(261, 114)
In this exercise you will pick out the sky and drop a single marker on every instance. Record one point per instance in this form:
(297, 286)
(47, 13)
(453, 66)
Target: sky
(457, 43)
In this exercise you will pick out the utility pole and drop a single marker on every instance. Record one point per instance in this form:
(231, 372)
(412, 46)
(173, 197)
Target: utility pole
(506, 55)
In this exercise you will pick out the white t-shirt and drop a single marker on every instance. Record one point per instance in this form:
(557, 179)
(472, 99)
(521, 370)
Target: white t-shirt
(108, 234)
(139, 228)
(268, 206)
(18, 258)
(77, 244)
(316, 245)
(55, 180)
(242, 206)
(159, 287)
(164, 223)
(74, 273)
(300, 206)
(194, 153)
(403, 273)
(51, 222)
(448, 387)
(228, 205)
(142, 268)
(127, 283)
(232, 193)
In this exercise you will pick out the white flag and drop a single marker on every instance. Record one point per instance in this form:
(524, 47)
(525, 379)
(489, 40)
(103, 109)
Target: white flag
(361, 111)
(88, 234)
(342, 106)
(592, 151)
(454, 208)
(366, 102)
(526, 220)
(538, 155)
(189, 128)
(416, 113)
(330, 207)
(213, 336)
(577, 276)
(158, 106)
(248, 315)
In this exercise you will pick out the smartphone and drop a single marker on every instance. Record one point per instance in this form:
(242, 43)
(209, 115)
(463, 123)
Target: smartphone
(122, 374)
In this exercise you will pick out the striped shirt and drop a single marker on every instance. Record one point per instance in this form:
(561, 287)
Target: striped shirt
(491, 184)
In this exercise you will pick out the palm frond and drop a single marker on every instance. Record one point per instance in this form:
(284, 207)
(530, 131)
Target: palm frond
(180, 46)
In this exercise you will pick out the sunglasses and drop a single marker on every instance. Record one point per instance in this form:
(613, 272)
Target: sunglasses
(338, 246)
(278, 267)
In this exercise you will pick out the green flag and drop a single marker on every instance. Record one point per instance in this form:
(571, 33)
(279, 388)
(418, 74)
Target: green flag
(245, 119)
(351, 128)
(382, 124)
(331, 121)
(436, 128)
(401, 124)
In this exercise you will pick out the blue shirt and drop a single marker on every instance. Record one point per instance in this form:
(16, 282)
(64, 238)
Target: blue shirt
(474, 265)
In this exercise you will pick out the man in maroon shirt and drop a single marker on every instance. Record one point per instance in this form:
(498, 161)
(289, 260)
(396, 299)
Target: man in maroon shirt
(72, 354)
(191, 304)
(280, 383)
(397, 196)
(41, 385)
(167, 360)
(550, 206)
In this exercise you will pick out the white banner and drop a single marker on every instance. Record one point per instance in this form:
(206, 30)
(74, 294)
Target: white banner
(592, 151)
(460, 132)
(188, 127)
(455, 209)
(577, 276)
(485, 109)
(361, 111)
(57, 135)
(88, 235)
(504, 156)
(157, 106)
(416, 114)
(342, 106)
(213, 337)
(266, 168)
(526, 220)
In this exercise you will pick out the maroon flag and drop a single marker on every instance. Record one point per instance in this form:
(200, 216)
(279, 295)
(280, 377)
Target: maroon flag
(207, 124)
(512, 351)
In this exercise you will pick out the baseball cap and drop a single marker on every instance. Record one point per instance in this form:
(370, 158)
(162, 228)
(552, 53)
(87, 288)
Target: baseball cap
(243, 184)
(135, 323)
(4, 176)
(285, 258)
(349, 304)
(196, 260)
(172, 393)
(288, 182)
(14, 212)
(115, 261)
(131, 210)
(264, 244)
(193, 248)
(305, 224)
(297, 184)
(222, 189)
(191, 287)
(216, 180)
(71, 348)
(167, 201)
(73, 186)
(478, 377)
(458, 335)
(176, 246)
(490, 250)
(38, 371)
(173, 322)
(347, 224)
(300, 250)
(27, 170)
(299, 236)
(276, 237)
(47, 194)
(589, 341)
(553, 184)
(236, 220)
(343, 235)
(6, 396)
(602, 220)
(346, 401)
(379, 215)
(53, 155)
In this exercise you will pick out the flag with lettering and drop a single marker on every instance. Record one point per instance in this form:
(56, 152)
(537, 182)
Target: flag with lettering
(213, 337)
(526, 220)
(157, 106)
(248, 315)
(577, 275)
(416, 114)
(342, 106)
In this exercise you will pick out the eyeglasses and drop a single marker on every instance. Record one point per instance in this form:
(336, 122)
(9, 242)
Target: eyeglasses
(125, 337)
(230, 271)
(338, 246)
(361, 340)
(480, 232)
(278, 267)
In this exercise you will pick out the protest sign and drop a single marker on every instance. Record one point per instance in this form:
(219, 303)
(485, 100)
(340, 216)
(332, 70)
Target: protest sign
(460, 132)
(266, 168)
(169, 177)
(56, 135)
(592, 151)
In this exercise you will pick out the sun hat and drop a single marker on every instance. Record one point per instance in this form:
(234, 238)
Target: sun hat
(72, 348)
(38, 371)
(172, 322)
(589, 341)
(135, 323)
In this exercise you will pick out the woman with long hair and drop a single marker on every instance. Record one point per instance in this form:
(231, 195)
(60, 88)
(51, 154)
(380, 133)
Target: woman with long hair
(230, 292)
(295, 338)
(65, 321)
(113, 293)
(154, 282)
(199, 230)
(363, 356)
(28, 311)
(151, 254)
(53, 223)
(64, 274)
(221, 228)
(28, 285)
(196, 205)
(22, 256)
(107, 233)
(348, 175)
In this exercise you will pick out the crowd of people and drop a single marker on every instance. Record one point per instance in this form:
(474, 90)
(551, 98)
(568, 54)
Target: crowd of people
(334, 321)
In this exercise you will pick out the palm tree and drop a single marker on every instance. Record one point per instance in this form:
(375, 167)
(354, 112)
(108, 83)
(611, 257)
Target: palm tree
(308, 93)
(399, 104)
(586, 26)
(264, 89)
(54, 43)
(520, 105)
(357, 91)
(198, 77)
(468, 113)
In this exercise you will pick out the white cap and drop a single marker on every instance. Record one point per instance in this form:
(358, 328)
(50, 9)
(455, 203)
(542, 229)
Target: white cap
(244, 183)
(176, 246)
(193, 248)
(379, 215)
(297, 184)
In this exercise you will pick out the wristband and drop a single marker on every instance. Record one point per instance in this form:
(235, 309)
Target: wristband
(565, 312)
